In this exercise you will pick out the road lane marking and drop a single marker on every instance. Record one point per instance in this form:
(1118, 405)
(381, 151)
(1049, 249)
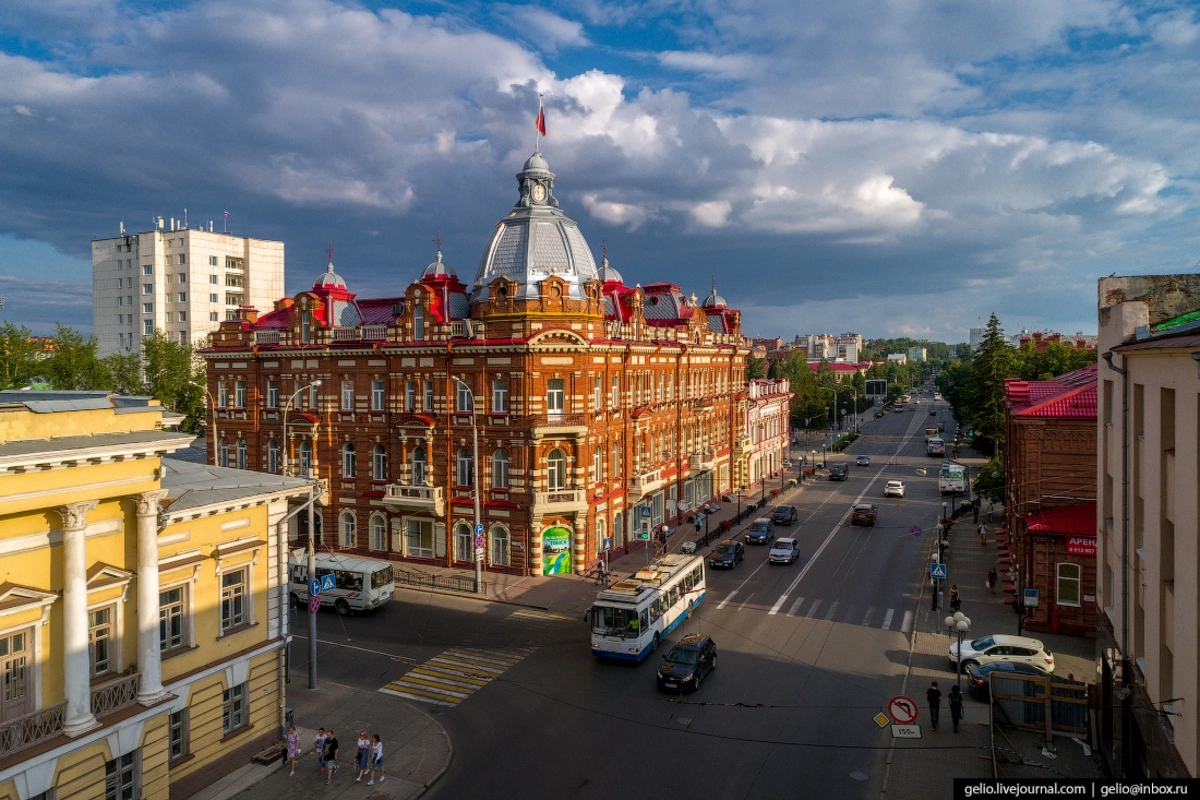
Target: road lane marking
(887, 619)
(778, 604)
(454, 675)
(795, 607)
(906, 626)
(541, 616)
(867, 616)
(745, 602)
(812, 612)
(728, 597)
(832, 610)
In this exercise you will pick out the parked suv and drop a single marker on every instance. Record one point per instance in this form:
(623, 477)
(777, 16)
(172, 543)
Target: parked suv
(1000, 647)
(839, 471)
(762, 530)
(785, 515)
(685, 666)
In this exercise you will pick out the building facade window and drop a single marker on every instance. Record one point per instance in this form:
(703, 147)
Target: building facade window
(598, 464)
(601, 534)
(273, 456)
(556, 470)
(239, 394)
(500, 396)
(377, 394)
(556, 396)
(379, 463)
(223, 452)
(234, 712)
(427, 391)
(100, 641)
(233, 599)
(272, 393)
(419, 538)
(464, 398)
(418, 323)
(500, 547)
(463, 544)
(1070, 576)
(172, 616)
(305, 457)
(243, 453)
(177, 735)
(597, 394)
(222, 395)
(349, 528)
(347, 395)
(410, 395)
(305, 327)
(122, 777)
(378, 532)
(615, 398)
(500, 464)
(466, 471)
(348, 462)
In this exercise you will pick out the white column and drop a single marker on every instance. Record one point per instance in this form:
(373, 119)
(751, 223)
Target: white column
(77, 687)
(149, 658)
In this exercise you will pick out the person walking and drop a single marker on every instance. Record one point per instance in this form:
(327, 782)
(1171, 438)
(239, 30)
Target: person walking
(376, 760)
(975, 511)
(955, 598)
(331, 754)
(934, 695)
(293, 747)
(983, 535)
(362, 755)
(319, 748)
(991, 579)
(956, 706)
(990, 508)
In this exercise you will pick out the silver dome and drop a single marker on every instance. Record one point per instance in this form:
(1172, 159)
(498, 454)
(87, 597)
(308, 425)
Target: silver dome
(536, 240)
(437, 267)
(714, 300)
(329, 278)
(608, 273)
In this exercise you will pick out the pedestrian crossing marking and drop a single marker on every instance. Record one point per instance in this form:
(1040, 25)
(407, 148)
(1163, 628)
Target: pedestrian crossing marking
(725, 602)
(455, 674)
(887, 619)
(832, 610)
(868, 615)
(541, 616)
(906, 626)
(778, 604)
(812, 612)
(795, 606)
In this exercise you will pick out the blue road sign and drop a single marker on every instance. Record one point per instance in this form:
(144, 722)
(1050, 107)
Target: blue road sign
(645, 512)
(607, 543)
(314, 588)
(937, 571)
(328, 582)
(479, 529)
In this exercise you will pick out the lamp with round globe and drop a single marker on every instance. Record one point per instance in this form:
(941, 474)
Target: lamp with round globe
(958, 623)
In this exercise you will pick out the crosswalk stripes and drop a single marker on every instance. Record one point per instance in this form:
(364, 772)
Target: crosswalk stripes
(812, 612)
(887, 619)
(778, 605)
(906, 626)
(867, 616)
(832, 610)
(455, 674)
(829, 611)
(541, 616)
(795, 607)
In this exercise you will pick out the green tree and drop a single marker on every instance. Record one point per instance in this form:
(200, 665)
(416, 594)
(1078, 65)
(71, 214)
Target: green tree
(18, 356)
(989, 483)
(174, 375)
(74, 364)
(755, 368)
(125, 372)
(1051, 360)
(994, 363)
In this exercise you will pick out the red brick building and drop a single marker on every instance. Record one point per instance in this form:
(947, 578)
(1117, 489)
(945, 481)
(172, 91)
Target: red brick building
(1050, 496)
(599, 407)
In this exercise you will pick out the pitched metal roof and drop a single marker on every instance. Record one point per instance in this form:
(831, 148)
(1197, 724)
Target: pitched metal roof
(191, 485)
(82, 446)
(1068, 396)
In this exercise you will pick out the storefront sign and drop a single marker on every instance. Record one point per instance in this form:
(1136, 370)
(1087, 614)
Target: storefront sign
(1081, 546)
(556, 551)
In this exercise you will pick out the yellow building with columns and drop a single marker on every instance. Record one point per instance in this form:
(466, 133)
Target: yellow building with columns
(142, 603)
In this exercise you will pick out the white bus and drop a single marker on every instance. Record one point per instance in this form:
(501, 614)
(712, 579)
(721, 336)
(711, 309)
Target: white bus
(952, 479)
(361, 584)
(632, 616)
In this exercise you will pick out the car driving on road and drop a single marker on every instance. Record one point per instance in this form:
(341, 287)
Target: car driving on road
(1001, 647)
(727, 554)
(839, 471)
(761, 531)
(785, 515)
(863, 514)
(686, 664)
(893, 489)
(863, 461)
(784, 551)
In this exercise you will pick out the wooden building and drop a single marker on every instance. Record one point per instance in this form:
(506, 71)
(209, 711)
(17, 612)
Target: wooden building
(600, 409)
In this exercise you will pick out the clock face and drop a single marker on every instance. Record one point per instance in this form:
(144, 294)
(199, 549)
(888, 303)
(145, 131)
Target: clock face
(538, 193)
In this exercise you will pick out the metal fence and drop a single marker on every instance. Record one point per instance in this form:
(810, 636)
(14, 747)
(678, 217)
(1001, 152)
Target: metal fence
(427, 580)
(1041, 703)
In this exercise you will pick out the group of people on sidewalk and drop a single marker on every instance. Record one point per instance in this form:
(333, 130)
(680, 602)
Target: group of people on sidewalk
(368, 757)
(934, 695)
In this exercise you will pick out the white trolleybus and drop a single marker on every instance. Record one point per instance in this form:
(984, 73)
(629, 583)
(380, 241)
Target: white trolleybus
(632, 616)
(360, 584)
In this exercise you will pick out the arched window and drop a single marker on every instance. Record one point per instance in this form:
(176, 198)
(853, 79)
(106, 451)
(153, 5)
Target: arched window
(222, 453)
(618, 529)
(501, 546)
(419, 323)
(466, 469)
(349, 528)
(243, 453)
(500, 469)
(305, 458)
(378, 532)
(273, 456)
(348, 465)
(556, 470)
(601, 533)
(418, 466)
(463, 546)
(379, 463)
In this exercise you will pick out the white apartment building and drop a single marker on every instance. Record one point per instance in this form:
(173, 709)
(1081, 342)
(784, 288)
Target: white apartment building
(977, 335)
(844, 348)
(916, 354)
(183, 281)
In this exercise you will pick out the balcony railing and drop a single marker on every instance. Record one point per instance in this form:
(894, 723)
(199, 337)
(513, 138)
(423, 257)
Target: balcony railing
(28, 730)
(644, 483)
(345, 334)
(116, 694)
(427, 498)
(267, 337)
(699, 462)
(559, 498)
(373, 333)
(558, 421)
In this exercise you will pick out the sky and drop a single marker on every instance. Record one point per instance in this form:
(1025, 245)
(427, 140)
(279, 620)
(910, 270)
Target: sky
(901, 168)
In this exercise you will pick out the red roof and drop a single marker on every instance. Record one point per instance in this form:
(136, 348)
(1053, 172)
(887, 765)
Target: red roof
(1075, 520)
(1069, 396)
(836, 366)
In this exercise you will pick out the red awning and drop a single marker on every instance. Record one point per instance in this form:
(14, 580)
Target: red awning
(1076, 520)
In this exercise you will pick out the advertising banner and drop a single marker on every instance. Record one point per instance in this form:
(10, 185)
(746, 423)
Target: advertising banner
(1081, 546)
(556, 551)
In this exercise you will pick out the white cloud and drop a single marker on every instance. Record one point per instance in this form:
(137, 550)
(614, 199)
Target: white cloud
(544, 29)
(712, 214)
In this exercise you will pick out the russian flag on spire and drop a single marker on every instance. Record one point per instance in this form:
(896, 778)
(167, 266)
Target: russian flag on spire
(541, 117)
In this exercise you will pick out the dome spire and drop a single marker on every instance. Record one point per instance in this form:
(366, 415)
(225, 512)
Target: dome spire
(714, 300)
(329, 278)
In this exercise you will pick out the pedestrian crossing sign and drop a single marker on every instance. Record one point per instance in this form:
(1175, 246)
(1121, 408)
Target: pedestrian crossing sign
(937, 571)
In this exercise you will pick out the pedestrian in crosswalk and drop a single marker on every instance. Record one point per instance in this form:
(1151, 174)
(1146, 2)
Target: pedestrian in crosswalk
(934, 695)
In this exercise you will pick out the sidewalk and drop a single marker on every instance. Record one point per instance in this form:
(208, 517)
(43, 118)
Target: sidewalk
(416, 750)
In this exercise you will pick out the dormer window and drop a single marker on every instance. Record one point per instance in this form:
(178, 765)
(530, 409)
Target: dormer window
(305, 327)
(419, 323)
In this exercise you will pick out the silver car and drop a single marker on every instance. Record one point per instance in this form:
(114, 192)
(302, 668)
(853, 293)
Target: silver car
(784, 551)
(1001, 647)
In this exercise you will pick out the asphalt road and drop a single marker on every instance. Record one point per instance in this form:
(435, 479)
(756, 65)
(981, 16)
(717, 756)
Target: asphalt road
(808, 654)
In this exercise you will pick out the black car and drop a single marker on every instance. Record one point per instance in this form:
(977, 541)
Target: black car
(839, 471)
(727, 554)
(785, 515)
(685, 666)
(978, 675)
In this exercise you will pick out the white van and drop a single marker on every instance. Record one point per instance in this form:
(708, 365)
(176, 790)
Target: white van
(935, 447)
(360, 584)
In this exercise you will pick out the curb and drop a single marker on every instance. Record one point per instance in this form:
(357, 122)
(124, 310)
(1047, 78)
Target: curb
(449, 752)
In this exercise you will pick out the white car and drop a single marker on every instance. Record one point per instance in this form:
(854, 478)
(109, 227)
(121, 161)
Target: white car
(893, 489)
(1000, 647)
(784, 551)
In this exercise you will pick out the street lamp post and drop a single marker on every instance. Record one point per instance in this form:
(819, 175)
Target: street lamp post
(959, 623)
(475, 479)
(212, 403)
(287, 407)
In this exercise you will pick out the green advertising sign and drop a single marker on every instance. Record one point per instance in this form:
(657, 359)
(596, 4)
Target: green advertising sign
(556, 551)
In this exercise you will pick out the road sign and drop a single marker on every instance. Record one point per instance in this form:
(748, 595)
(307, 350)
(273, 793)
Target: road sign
(479, 540)
(881, 719)
(645, 512)
(479, 529)
(314, 588)
(915, 530)
(902, 710)
(937, 571)
(314, 604)
(906, 731)
(607, 543)
(328, 582)
(1030, 597)
(479, 554)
